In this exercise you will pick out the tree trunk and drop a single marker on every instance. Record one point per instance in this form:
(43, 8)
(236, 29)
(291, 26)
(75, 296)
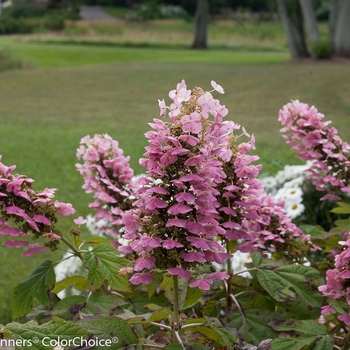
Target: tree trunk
(342, 31)
(294, 32)
(333, 17)
(308, 11)
(201, 20)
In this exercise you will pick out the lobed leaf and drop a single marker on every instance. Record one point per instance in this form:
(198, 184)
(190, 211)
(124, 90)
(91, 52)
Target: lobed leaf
(34, 336)
(104, 264)
(36, 285)
(289, 281)
(110, 328)
(298, 334)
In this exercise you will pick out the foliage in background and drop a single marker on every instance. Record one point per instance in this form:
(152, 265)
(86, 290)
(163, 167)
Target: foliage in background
(8, 62)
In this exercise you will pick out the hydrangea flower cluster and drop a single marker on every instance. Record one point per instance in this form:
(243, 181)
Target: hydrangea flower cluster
(200, 188)
(251, 216)
(25, 211)
(107, 174)
(314, 140)
(338, 283)
(173, 226)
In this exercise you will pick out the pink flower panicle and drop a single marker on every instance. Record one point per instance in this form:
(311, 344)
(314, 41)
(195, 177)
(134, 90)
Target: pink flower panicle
(314, 140)
(338, 283)
(174, 225)
(200, 188)
(107, 174)
(23, 211)
(252, 217)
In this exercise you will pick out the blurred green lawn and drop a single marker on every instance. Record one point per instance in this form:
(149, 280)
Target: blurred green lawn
(73, 91)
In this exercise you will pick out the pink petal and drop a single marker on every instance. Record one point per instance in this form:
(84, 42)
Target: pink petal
(142, 278)
(16, 244)
(171, 244)
(182, 273)
(179, 209)
(194, 257)
(176, 222)
(201, 284)
(42, 219)
(185, 197)
(144, 263)
(34, 250)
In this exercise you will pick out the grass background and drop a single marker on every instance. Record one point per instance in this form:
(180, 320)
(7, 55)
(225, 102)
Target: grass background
(70, 91)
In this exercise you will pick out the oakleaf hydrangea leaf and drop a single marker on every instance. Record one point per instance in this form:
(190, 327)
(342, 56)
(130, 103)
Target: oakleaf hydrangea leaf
(36, 285)
(104, 263)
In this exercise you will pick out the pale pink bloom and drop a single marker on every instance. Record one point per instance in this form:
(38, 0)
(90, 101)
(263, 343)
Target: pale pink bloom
(192, 123)
(162, 107)
(80, 221)
(217, 87)
(64, 209)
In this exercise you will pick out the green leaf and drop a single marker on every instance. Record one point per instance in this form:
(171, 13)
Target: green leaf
(110, 328)
(344, 224)
(33, 336)
(228, 337)
(289, 281)
(101, 303)
(104, 264)
(218, 334)
(343, 208)
(160, 313)
(36, 285)
(300, 333)
(211, 308)
(69, 307)
(173, 347)
(315, 232)
(257, 259)
(192, 297)
(96, 240)
(168, 287)
(152, 287)
(252, 324)
(80, 283)
(138, 301)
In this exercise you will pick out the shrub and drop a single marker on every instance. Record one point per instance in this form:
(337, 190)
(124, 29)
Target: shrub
(7, 61)
(54, 21)
(25, 10)
(322, 49)
(11, 25)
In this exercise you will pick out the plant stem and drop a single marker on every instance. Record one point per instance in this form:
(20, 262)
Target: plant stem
(71, 246)
(229, 285)
(176, 303)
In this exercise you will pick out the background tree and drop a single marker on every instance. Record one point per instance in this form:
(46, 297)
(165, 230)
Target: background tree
(309, 20)
(291, 18)
(201, 20)
(340, 27)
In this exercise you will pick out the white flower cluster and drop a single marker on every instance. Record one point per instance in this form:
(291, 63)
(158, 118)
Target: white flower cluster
(287, 186)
